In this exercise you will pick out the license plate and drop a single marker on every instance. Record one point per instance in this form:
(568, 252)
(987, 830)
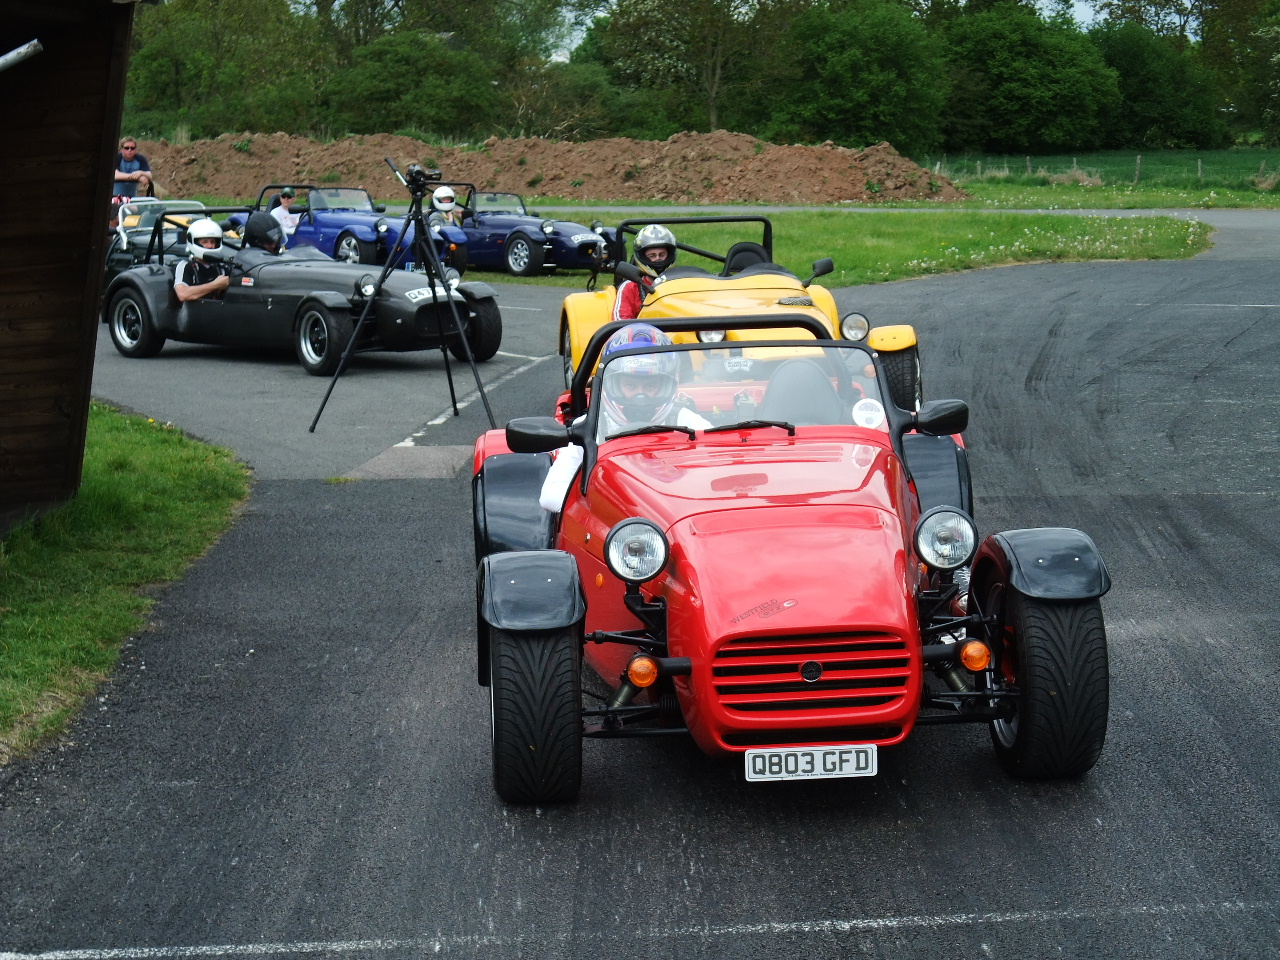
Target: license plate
(812, 763)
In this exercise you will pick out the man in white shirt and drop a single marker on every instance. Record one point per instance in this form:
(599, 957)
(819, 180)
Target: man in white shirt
(288, 221)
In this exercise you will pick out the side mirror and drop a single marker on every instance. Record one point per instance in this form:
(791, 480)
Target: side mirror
(379, 208)
(627, 271)
(536, 435)
(941, 418)
(821, 268)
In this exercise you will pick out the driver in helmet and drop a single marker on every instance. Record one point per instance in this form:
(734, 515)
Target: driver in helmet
(205, 273)
(655, 251)
(636, 391)
(445, 209)
(263, 237)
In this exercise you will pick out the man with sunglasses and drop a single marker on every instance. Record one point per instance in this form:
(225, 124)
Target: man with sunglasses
(133, 173)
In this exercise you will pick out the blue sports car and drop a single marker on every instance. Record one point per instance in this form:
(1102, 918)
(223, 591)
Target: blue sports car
(345, 223)
(502, 234)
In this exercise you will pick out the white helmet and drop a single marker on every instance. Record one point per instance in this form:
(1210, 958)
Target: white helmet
(655, 235)
(443, 199)
(204, 229)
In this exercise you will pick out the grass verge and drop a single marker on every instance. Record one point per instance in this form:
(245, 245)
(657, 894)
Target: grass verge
(871, 248)
(151, 500)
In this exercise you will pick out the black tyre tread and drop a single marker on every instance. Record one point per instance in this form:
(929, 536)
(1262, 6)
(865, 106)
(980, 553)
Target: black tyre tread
(533, 267)
(368, 251)
(484, 332)
(1064, 683)
(340, 331)
(537, 716)
(149, 342)
(566, 349)
(900, 369)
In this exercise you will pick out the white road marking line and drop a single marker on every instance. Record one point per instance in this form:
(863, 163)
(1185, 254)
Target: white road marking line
(473, 397)
(1242, 306)
(507, 306)
(518, 356)
(706, 931)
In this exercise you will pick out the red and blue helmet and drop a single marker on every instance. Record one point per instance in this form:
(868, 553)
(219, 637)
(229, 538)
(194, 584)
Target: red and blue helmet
(641, 388)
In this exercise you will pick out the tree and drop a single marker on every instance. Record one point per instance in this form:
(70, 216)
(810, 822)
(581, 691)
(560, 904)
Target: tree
(863, 72)
(1047, 87)
(1167, 100)
(701, 43)
(410, 80)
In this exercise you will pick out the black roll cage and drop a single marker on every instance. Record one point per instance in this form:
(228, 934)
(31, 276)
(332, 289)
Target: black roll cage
(155, 246)
(618, 245)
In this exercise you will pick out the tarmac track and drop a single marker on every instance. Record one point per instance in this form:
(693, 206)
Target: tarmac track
(293, 760)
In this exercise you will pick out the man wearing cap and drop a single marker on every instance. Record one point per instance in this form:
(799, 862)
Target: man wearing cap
(288, 221)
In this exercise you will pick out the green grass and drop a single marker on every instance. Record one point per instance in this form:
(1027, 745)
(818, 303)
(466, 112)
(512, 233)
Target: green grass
(72, 582)
(870, 248)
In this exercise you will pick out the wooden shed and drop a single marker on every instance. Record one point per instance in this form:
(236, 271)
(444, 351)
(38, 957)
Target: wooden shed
(62, 74)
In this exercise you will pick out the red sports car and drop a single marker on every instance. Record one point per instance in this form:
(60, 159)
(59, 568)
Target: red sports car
(760, 551)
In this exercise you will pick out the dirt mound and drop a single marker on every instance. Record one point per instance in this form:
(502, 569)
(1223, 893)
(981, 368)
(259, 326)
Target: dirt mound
(718, 167)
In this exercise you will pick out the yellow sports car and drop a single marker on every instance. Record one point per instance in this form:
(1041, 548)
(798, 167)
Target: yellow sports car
(748, 283)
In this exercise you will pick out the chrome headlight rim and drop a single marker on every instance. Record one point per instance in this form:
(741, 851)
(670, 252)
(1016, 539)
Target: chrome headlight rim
(548, 227)
(854, 326)
(712, 336)
(950, 552)
(630, 529)
(382, 226)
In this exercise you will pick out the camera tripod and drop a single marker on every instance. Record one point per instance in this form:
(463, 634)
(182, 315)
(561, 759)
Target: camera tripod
(427, 253)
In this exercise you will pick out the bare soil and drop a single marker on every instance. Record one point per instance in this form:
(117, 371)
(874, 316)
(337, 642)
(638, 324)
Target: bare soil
(719, 167)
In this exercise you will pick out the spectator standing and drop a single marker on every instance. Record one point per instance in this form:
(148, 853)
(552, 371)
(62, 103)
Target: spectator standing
(133, 172)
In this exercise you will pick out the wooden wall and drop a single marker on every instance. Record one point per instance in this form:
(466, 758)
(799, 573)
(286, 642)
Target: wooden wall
(61, 117)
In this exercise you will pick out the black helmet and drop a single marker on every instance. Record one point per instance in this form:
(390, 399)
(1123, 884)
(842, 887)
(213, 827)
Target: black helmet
(263, 231)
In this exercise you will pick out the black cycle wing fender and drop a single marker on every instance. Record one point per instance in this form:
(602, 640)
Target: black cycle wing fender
(328, 298)
(940, 468)
(527, 591)
(504, 503)
(154, 284)
(1047, 563)
(475, 290)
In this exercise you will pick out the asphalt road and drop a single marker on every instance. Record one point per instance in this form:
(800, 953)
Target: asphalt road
(293, 761)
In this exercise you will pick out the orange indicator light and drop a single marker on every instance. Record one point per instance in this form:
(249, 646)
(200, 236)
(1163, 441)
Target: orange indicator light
(642, 671)
(975, 656)
(599, 579)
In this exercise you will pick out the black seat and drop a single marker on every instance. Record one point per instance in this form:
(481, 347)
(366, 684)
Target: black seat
(800, 392)
(742, 255)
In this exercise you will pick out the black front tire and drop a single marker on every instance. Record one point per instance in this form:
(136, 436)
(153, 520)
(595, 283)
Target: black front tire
(523, 256)
(566, 353)
(320, 339)
(457, 259)
(133, 330)
(535, 696)
(902, 373)
(1055, 653)
(484, 332)
(351, 249)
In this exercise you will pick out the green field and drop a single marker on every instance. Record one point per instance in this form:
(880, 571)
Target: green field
(875, 247)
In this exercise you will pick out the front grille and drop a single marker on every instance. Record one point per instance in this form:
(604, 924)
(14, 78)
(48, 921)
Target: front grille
(859, 671)
(815, 735)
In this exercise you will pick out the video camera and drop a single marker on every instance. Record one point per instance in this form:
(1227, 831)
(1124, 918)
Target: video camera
(418, 177)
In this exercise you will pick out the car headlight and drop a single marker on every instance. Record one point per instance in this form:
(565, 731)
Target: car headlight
(710, 336)
(854, 326)
(381, 225)
(636, 550)
(946, 538)
(548, 227)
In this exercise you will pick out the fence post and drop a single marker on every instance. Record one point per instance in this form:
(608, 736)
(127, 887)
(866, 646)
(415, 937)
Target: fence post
(1028, 166)
(1137, 169)
(979, 169)
(1199, 169)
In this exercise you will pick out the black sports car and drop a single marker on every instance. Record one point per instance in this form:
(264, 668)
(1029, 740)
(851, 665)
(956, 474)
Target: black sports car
(300, 297)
